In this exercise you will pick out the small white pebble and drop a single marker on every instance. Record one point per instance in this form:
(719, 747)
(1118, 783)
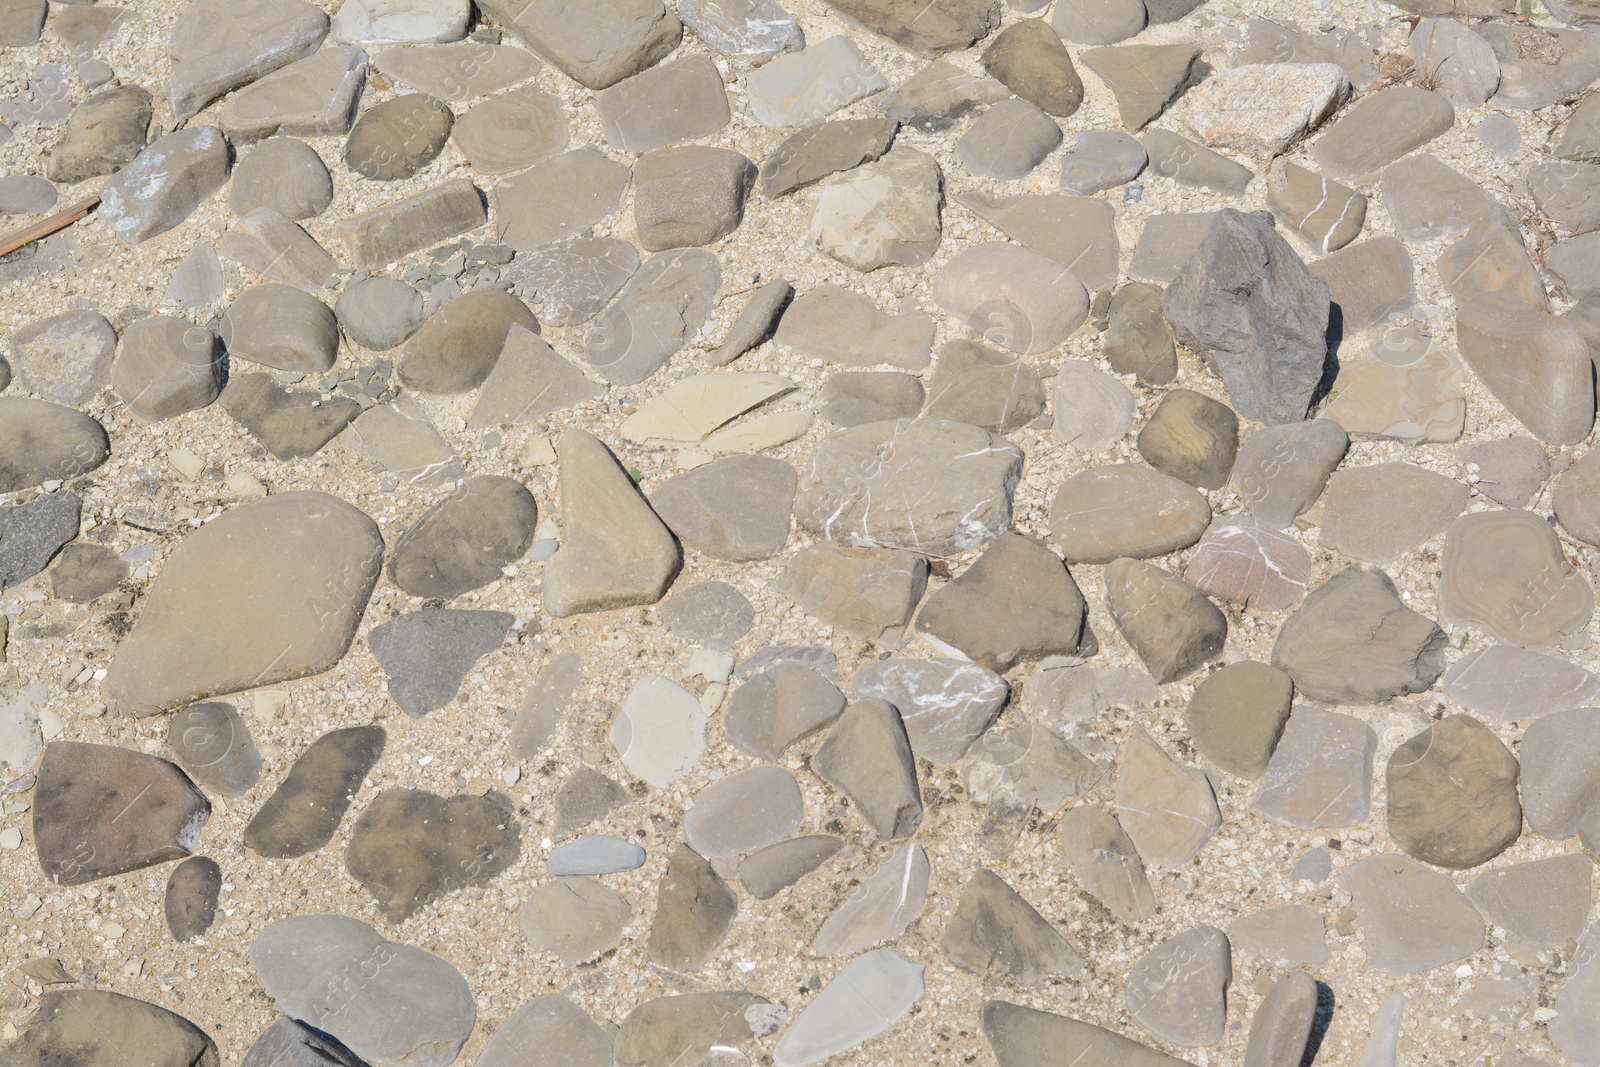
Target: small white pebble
(1464, 971)
(10, 838)
(424, 761)
(511, 776)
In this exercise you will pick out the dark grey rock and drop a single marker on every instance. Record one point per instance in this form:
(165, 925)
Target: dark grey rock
(939, 96)
(289, 423)
(41, 441)
(1138, 340)
(768, 872)
(95, 1028)
(191, 904)
(461, 543)
(32, 533)
(410, 848)
(994, 931)
(304, 811)
(587, 796)
(84, 571)
(459, 345)
(1030, 59)
(426, 654)
(289, 1043)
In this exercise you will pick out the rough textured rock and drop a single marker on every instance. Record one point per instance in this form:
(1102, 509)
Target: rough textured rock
(410, 848)
(744, 29)
(1169, 810)
(105, 133)
(944, 705)
(1354, 641)
(597, 45)
(32, 533)
(282, 327)
(1029, 58)
(785, 703)
(1092, 408)
(1263, 108)
(939, 96)
(66, 358)
(165, 183)
(869, 593)
(1248, 304)
(1125, 509)
(885, 213)
(888, 901)
(661, 309)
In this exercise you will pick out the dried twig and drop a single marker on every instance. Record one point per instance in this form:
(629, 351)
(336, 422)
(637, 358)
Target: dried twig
(59, 221)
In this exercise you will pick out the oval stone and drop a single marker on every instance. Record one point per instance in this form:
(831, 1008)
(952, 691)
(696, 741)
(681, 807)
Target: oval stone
(1505, 571)
(282, 327)
(271, 590)
(1453, 795)
(1012, 296)
(461, 543)
(1125, 509)
(595, 854)
(213, 744)
(191, 904)
(750, 810)
(40, 441)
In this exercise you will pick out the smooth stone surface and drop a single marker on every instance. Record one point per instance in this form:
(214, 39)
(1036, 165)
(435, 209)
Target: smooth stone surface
(1105, 862)
(814, 153)
(458, 347)
(1172, 627)
(1031, 60)
(1268, 342)
(847, 327)
(284, 174)
(1515, 684)
(1575, 497)
(1490, 258)
(1008, 140)
(694, 908)
(1320, 774)
(94, 1028)
(1144, 78)
(1533, 362)
(83, 572)
(32, 533)
(1573, 1030)
(1237, 715)
(672, 1030)
(1368, 282)
(1098, 22)
(272, 244)
(1027, 1037)
(1169, 810)
(1247, 562)
(411, 848)
(289, 423)
(415, 1011)
(597, 44)
(986, 388)
(1540, 66)
(427, 654)
(743, 29)
(558, 199)
(994, 931)
(851, 398)
(1412, 390)
(312, 97)
(1360, 520)
(1100, 159)
(1559, 785)
(401, 21)
(511, 131)
(1411, 918)
(198, 282)
(218, 45)
(66, 358)
(547, 1031)
(1326, 213)
(1453, 795)
(1191, 437)
(887, 901)
(883, 214)
(678, 101)
(1178, 990)
(1078, 232)
(282, 327)
(379, 313)
(393, 231)
(104, 134)
(579, 919)
(464, 541)
(1290, 935)
(756, 323)
(1281, 470)
(457, 72)
(781, 705)
(1092, 409)
(1029, 765)
(659, 731)
(165, 184)
(863, 1000)
(41, 441)
(944, 704)
(1125, 509)
(1460, 61)
(736, 508)
(306, 808)
(712, 614)
(744, 812)
(1191, 163)
(284, 581)
(290, 1043)
(529, 381)
(939, 96)
(799, 88)
(395, 139)
(1506, 571)
(614, 552)
(1429, 199)
(768, 872)
(1137, 340)
(1380, 128)
(162, 813)
(595, 854)
(867, 756)
(576, 278)
(212, 742)
(1542, 904)
(1283, 1021)
(689, 195)
(920, 30)
(661, 309)
(1509, 470)
(26, 194)
(1012, 296)
(869, 593)
(1353, 641)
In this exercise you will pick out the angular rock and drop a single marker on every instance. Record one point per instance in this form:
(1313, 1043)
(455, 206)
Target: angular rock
(1099, 22)
(1513, 684)
(1138, 340)
(218, 45)
(929, 486)
(558, 199)
(1022, 1037)
(290, 1043)
(197, 283)
(528, 383)
(458, 347)
(938, 96)
(1411, 918)
(574, 279)
(1027, 765)
(41, 441)
(977, 385)
(1100, 159)
(306, 808)
(1427, 198)
(393, 231)
(944, 705)
(95, 1028)
(1103, 858)
(756, 322)
(1144, 78)
(862, 1001)
(1533, 362)
(615, 551)
(846, 327)
(1263, 108)
(414, 1010)
(65, 359)
(1029, 58)
(1169, 810)
(83, 571)
(270, 243)
(694, 908)
(1509, 470)
(1249, 563)
(682, 100)
(165, 183)
(995, 931)
(1453, 795)
(1326, 213)
(313, 97)
(867, 757)
(744, 812)
(1268, 341)
(712, 614)
(579, 919)
(290, 424)
(804, 87)
(662, 308)
(1237, 715)
(1361, 521)
(1012, 296)
(597, 45)
(426, 654)
(1505, 571)
(1182, 160)
(283, 174)
(161, 812)
(1104, 513)
(288, 612)
(1092, 409)
(457, 73)
(1178, 991)
(775, 868)
(1290, 935)
(410, 848)
(683, 1029)
(1172, 627)
(885, 213)
(595, 854)
(743, 29)
(213, 743)
(402, 21)
(1320, 774)
(1542, 904)
(1078, 232)
(735, 508)
(282, 327)
(921, 30)
(784, 704)
(807, 157)
(104, 134)
(659, 731)
(1008, 140)
(1282, 470)
(1412, 391)
(462, 543)
(1354, 642)
(1167, 243)
(1380, 128)
(887, 901)
(32, 533)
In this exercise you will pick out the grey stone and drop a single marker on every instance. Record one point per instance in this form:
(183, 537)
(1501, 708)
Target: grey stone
(768, 872)
(463, 542)
(65, 359)
(95, 1028)
(922, 31)
(1314, 866)
(400, 438)
(843, 326)
(1182, 160)
(694, 908)
(41, 441)
(1237, 714)
(818, 151)
(1025, 1037)
(1264, 108)
(712, 614)
(1138, 340)
(756, 322)
(660, 731)
(1491, 258)
(1098, 22)
(1542, 904)
(511, 131)
(887, 901)
(944, 704)
(1078, 232)
(862, 1001)
(1326, 213)
(395, 139)
(978, 385)
(1540, 66)
(1281, 471)
(1191, 437)
(1247, 562)
(736, 508)
(1015, 602)
(783, 704)
(379, 313)
(939, 96)
(31, 533)
(1268, 341)
(1144, 78)
(1100, 160)
(411, 848)
(1360, 519)
(1428, 199)
(1320, 774)
(1282, 1026)
(426, 654)
(1507, 572)
(1008, 140)
(459, 72)
(595, 854)
(558, 199)
(459, 345)
(212, 742)
(269, 242)
(545, 704)
(1125, 509)
(21, 22)
(883, 214)
(1167, 243)
(1092, 409)
(416, 1011)
(683, 1029)
(1453, 795)
(587, 796)
(661, 309)
(573, 280)
(800, 88)
(1500, 134)
(743, 29)
(598, 44)
(218, 45)
(1172, 627)
(994, 931)
(1380, 128)
(197, 283)
(284, 174)
(1514, 684)
(167, 366)
(1012, 296)
(26, 194)
(528, 383)
(1509, 471)
(1354, 641)
(1578, 135)
(1290, 935)
(1573, 1030)
(1575, 498)
(289, 423)
(84, 571)
(1169, 810)
(290, 1043)
(292, 612)
(1027, 765)
(393, 231)
(1274, 42)
(402, 21)
(302, 814)
(1560, 789)
(690, 195)
(579, 919)
(1411, 918)
(853, 397)
(282, 327)
(312, 97)
(867, 757)
(678, 101)
(1107, 865)
(1178, 990)
(165, 183)
(744, 812)
(161, 813)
